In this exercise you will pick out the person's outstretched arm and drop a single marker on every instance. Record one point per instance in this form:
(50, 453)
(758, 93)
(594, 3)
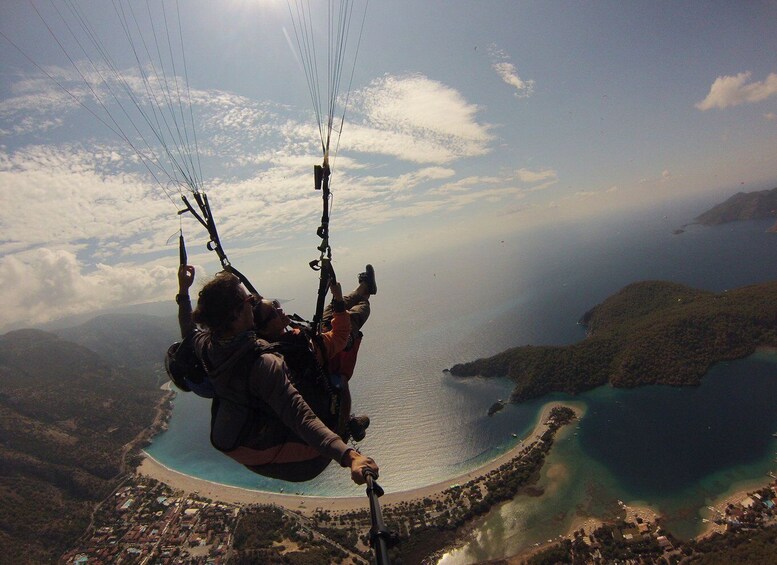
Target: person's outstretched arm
(270, 382)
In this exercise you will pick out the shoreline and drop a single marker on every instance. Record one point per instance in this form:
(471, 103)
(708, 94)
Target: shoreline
(308, 504)
(717, 506)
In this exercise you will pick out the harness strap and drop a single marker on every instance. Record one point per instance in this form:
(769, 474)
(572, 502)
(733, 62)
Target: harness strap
(321, 174)
(209, 223)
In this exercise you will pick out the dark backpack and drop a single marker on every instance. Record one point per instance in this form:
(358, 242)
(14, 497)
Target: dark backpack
(186, 370)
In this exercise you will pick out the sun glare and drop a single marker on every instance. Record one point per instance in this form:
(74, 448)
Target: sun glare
(265, 6)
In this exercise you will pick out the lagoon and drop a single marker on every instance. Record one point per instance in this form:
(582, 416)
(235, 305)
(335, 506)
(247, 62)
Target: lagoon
(674, 449)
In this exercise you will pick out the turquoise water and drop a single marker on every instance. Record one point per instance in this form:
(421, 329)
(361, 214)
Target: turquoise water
(528, 288)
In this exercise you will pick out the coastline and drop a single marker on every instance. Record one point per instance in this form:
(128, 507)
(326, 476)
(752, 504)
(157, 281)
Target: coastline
(717, 507)
(307, 505)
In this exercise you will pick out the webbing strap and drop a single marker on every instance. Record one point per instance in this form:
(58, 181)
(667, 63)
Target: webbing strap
(323, 264)
(206, 219)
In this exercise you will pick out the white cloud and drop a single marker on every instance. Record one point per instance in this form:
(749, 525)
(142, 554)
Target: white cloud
(468, 184)
(64, 194)
(593, 193)
(529, 176)
(82, 214)
(507, 71)
(735, 90)
(416, 119)
(48, 284)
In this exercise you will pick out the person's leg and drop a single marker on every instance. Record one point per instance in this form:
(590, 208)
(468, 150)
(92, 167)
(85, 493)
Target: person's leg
(358, 307)
(357, 303)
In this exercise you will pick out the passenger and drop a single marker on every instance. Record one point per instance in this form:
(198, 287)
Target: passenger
(259, 418)
(335, 350)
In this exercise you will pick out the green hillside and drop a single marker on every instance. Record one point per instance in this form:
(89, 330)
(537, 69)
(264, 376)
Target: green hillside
(66, 416)
(651, 332)
(742, 206)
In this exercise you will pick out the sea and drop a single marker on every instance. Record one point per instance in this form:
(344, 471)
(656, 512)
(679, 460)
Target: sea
(675, 449)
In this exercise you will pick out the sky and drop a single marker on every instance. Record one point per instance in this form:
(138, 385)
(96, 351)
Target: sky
(462, 120)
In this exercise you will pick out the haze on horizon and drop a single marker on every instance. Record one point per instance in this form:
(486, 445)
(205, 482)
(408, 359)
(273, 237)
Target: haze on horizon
(464, 120)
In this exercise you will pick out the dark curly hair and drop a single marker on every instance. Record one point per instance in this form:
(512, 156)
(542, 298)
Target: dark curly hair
(219, 303)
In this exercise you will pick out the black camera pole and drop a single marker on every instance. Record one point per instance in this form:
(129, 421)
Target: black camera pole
(380, 536)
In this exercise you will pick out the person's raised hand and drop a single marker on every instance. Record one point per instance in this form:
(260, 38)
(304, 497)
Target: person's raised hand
(185, 278)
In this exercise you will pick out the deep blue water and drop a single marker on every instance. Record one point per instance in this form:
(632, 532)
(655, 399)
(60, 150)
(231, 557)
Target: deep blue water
(660, 441)
(532, 288)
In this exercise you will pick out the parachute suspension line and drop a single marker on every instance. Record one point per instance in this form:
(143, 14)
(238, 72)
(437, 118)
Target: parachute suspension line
(350, 80)
(182, 151)
(188, 92)
(153, 102)
(186, 144)
(115, 127)
(103, 53)
(337, 25)
(146, 158)
(182, 172)
(151, 96)
(339, 36)
(85, 26)
(338, 39)
(302, 23)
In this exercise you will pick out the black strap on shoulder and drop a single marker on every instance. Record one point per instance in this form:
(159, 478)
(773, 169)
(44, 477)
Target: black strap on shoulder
(209, 223)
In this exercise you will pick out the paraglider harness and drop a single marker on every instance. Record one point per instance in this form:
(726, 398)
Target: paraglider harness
(239, 418)
(311, 379)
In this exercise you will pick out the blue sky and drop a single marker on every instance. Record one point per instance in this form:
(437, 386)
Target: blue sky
(465, 119)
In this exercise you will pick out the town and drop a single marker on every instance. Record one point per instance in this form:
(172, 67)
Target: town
(145, 521)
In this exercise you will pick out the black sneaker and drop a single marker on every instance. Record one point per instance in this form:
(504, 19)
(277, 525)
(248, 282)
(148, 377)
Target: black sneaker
(358, 425)
(369, 277)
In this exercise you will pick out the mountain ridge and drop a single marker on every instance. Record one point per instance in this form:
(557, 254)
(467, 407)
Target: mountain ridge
(69, 419)
(742, 206)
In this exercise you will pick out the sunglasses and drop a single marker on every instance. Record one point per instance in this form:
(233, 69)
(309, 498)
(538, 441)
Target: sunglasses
(276, 306)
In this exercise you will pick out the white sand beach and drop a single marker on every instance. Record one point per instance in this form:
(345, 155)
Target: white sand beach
(309, 504)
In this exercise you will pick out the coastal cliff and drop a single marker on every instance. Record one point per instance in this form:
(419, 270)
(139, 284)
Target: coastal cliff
(743, 206)
(651, 332)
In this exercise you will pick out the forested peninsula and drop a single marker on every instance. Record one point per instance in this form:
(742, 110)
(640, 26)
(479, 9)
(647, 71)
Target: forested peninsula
(651, 332)
(743, 206)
